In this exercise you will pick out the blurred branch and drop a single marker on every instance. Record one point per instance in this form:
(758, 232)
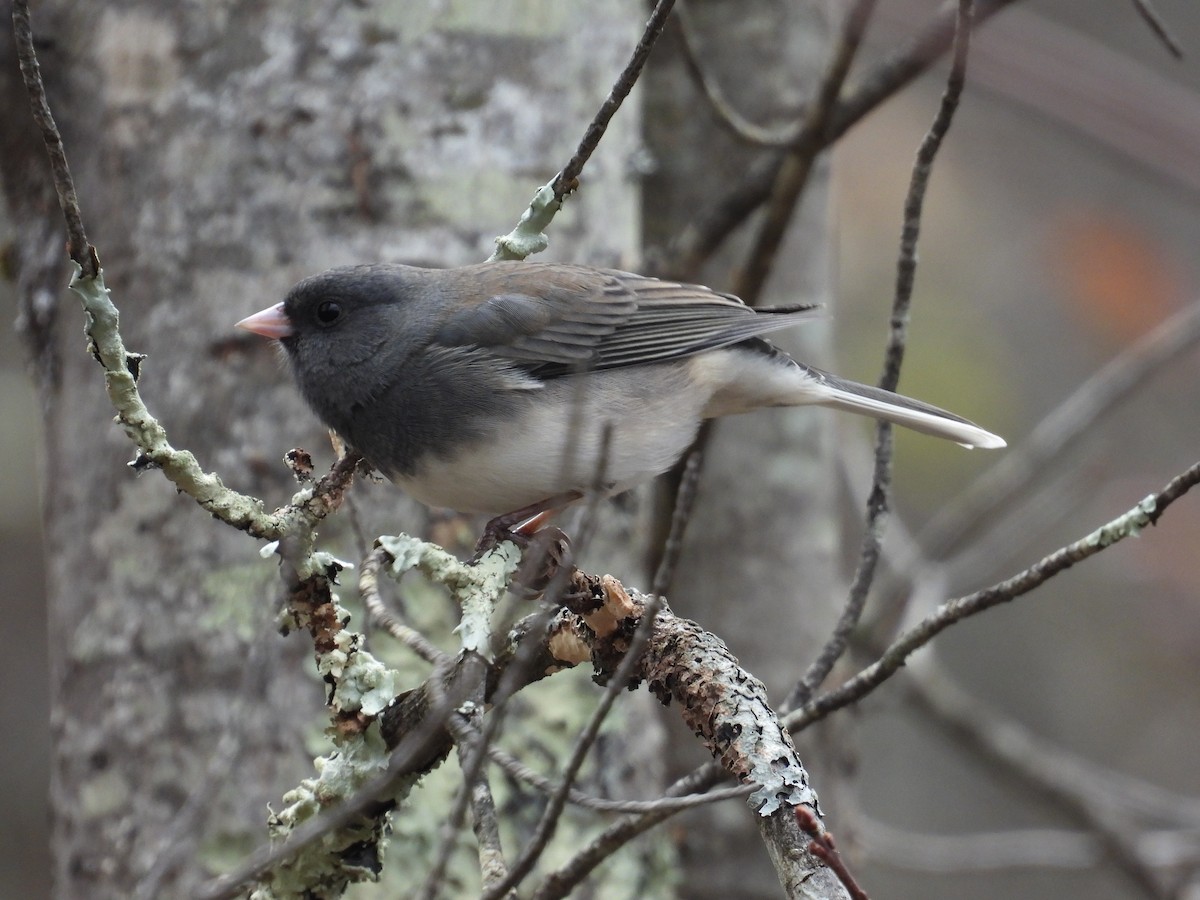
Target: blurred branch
(1146, 513)
(1004, 851)
(789, 181)
(1075, 80)
(1151, 17)
(1071, 785)
(879, 502)
(726, 115)
(961, 520)
(712, 225)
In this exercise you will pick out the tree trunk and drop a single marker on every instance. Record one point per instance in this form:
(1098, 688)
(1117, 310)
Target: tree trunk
(221, 152)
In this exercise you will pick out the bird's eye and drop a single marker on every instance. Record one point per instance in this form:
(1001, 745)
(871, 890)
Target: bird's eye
(329, 312)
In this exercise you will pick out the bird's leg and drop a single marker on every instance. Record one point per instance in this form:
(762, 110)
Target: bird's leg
(521, 524)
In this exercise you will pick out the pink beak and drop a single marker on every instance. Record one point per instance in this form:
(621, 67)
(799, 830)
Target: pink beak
(270, 323)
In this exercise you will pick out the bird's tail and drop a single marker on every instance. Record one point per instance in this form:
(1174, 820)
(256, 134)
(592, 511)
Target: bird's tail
(880, 404)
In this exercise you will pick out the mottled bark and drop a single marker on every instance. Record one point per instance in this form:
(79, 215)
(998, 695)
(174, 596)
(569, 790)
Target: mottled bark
(222, 151)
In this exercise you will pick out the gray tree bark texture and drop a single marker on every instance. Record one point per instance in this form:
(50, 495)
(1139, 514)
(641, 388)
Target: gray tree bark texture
(223, 151)
(761, 545)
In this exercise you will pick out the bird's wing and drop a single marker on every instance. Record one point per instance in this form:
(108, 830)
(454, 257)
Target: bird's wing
(552, 319)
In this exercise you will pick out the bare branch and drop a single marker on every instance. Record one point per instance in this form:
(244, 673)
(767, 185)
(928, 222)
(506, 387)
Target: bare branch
(726, 115)
(711, 226)
(1130, 523)
(78, 246)
(879, 503)
(566, 180)
(789, 182)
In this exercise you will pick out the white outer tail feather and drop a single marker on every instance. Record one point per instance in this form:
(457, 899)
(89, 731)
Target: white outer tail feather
(963, 433)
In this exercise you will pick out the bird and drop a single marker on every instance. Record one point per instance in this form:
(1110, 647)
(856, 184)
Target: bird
(513, 389)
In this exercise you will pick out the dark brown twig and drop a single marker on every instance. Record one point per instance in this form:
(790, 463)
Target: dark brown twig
(685, 503)
(879, 502)
(567, 180)
(78, 247)
(825, 849)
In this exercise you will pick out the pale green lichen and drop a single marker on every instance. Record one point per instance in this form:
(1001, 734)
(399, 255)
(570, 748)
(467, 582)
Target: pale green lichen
(477, 588)
(1128, 525)
(180, 466)
(529, 235)
(363, 683)
(339, 777)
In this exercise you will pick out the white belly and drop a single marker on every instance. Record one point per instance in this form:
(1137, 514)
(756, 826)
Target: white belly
(557, 444)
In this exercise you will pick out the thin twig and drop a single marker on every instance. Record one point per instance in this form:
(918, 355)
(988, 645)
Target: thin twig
(563, 880)
(1130, 523)
(711, 225)
(1157, 25)
(566, 180)
(685, 504)
(549, 786)
(793, 174)
(879, 502)
(726, 115)
(474, 791)
(368, 589)
(78, 246)
(583, 743)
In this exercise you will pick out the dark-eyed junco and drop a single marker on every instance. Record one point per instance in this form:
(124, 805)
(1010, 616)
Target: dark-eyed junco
(490, 388)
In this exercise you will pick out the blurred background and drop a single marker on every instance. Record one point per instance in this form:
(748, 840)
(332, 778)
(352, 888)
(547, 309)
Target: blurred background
(1061, 227)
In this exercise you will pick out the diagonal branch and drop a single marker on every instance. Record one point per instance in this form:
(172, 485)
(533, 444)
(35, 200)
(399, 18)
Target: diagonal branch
(1146, 513)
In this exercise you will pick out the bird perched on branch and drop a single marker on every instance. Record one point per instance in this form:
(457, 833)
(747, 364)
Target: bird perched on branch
(511, 388)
